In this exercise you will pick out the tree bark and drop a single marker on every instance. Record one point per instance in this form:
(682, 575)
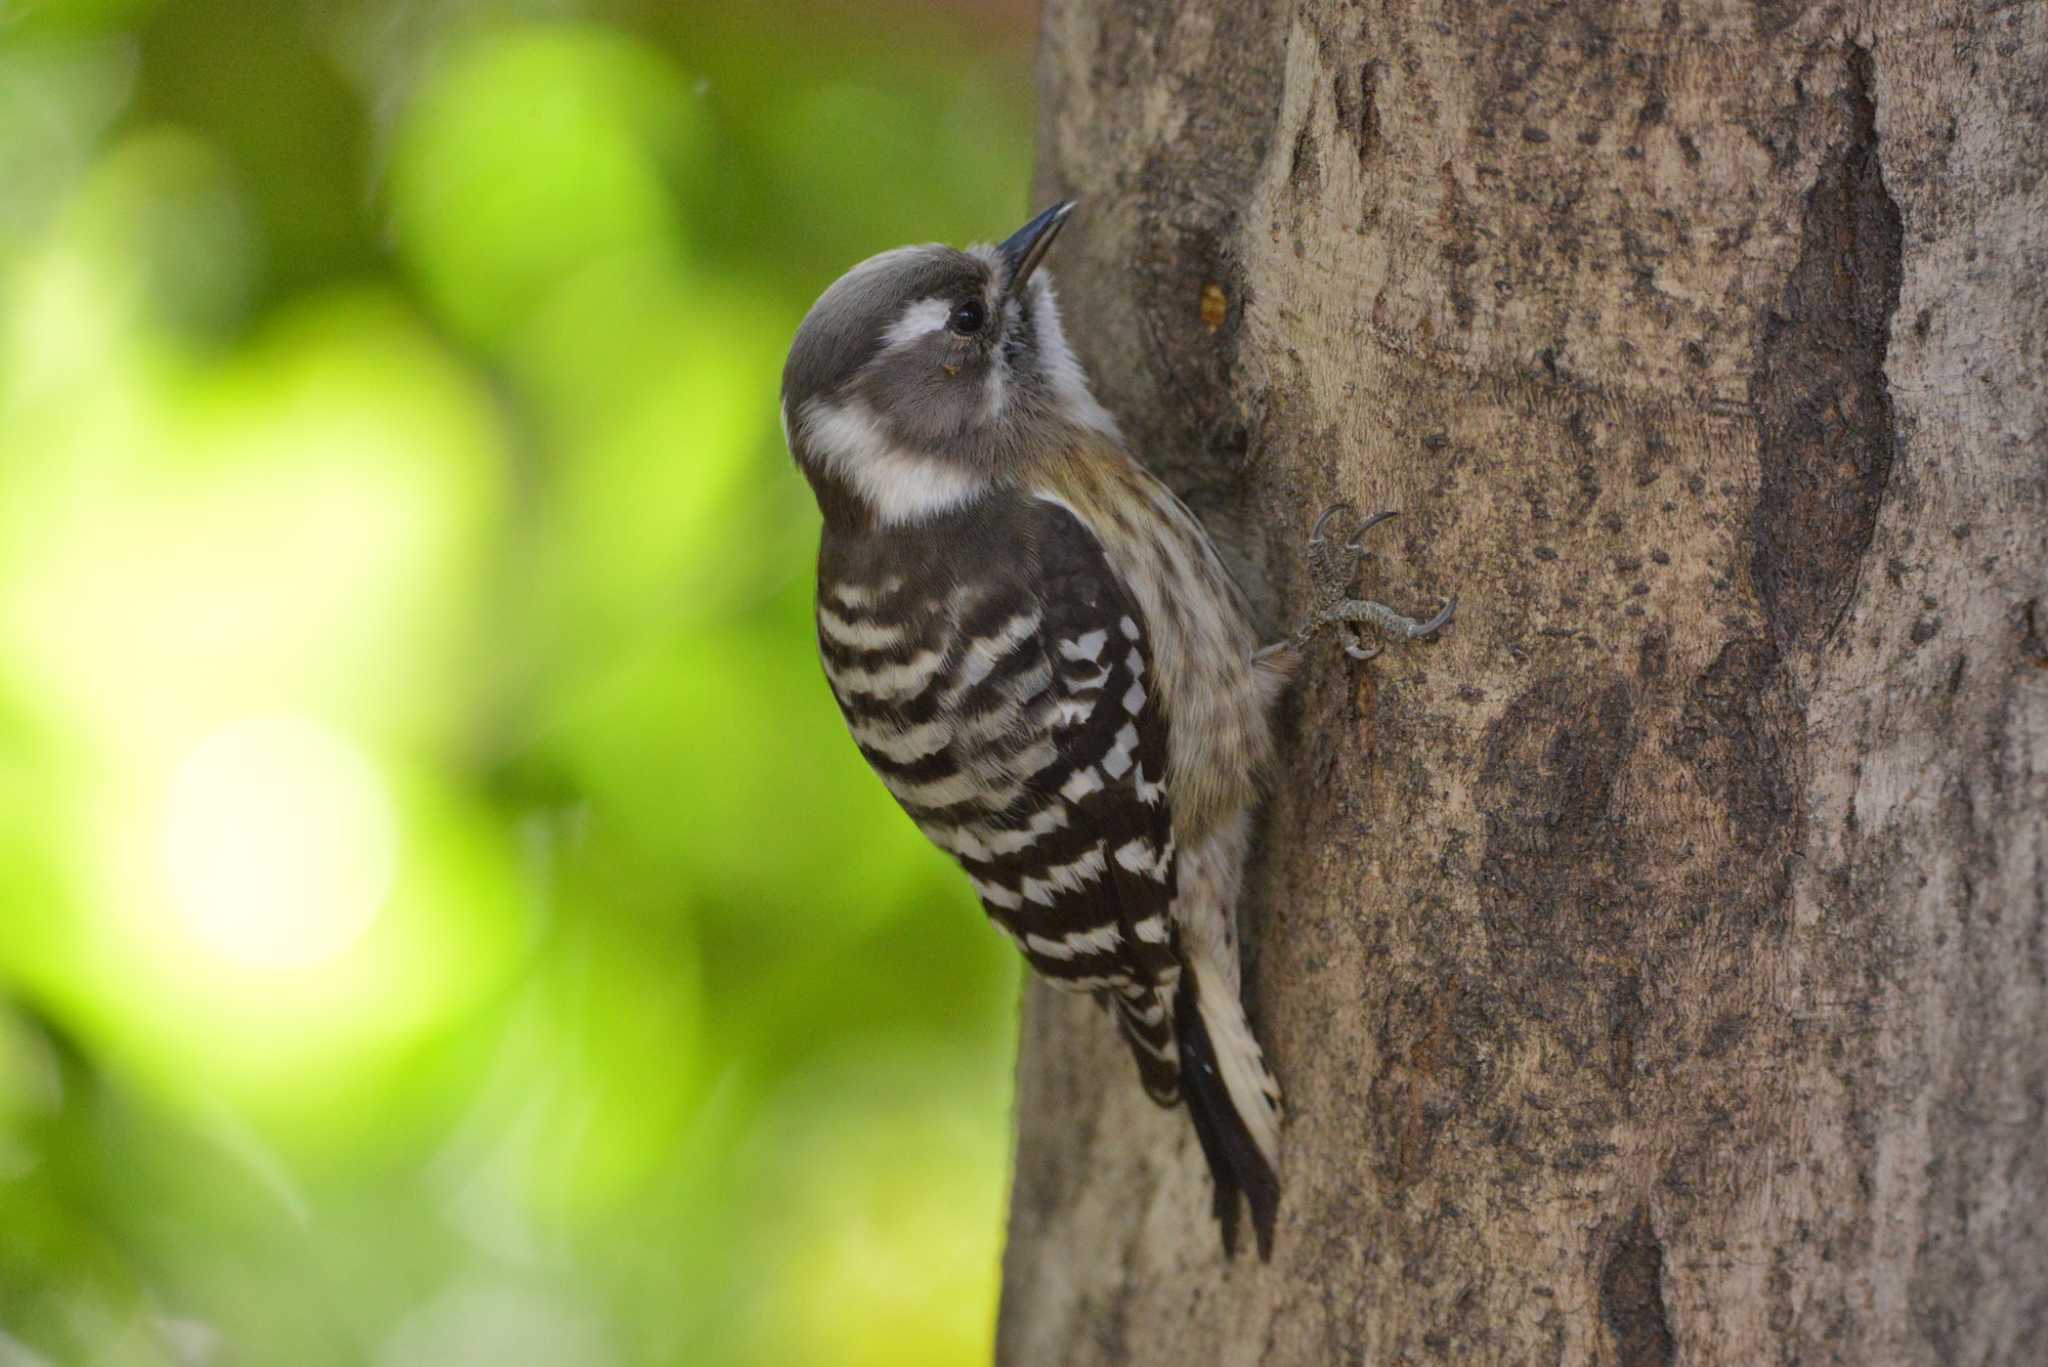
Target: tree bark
(1657, 967)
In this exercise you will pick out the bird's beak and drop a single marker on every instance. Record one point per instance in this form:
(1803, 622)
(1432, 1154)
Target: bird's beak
(1026, 247)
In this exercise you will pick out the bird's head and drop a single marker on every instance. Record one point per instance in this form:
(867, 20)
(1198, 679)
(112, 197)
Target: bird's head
(924, 376)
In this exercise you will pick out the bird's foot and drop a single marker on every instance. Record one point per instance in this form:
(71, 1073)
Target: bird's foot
(1333, 561)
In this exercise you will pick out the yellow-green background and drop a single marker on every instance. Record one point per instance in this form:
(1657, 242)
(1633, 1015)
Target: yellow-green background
(442, 919)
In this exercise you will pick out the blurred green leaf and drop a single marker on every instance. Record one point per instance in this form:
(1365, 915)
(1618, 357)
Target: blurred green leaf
(448, 921)
(531, 154)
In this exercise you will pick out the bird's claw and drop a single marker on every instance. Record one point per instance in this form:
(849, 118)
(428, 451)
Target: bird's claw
(1332, 566)
(1437, 623)
(1315, 536)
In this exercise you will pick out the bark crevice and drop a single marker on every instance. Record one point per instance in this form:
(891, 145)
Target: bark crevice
(1632, 1297)
(1826, 435)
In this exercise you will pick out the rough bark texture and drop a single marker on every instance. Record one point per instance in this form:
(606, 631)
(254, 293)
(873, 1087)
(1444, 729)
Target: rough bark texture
(1658, 966)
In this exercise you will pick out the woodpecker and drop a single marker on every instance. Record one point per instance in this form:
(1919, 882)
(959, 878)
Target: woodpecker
(1040, 653)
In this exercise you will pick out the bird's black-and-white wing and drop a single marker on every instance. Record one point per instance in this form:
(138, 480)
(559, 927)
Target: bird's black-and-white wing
(1093, 901)
(1013, 711)
(1008, 707)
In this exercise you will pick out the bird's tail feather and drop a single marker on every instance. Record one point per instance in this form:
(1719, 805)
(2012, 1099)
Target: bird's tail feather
(1146, 1017)
(1233, 1103)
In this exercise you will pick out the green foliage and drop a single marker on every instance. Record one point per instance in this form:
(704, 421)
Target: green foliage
(445, 919)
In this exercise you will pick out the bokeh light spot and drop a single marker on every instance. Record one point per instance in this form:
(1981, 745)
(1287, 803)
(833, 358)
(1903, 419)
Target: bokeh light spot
(280, 842)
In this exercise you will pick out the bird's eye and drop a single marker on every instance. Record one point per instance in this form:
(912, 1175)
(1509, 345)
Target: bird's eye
(969, 317)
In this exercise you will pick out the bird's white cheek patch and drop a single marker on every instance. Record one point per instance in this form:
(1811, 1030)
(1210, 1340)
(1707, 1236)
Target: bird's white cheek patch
(901, 486)
(1069, 382)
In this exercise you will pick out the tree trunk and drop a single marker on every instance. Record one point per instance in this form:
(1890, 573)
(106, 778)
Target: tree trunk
(1657, 967)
